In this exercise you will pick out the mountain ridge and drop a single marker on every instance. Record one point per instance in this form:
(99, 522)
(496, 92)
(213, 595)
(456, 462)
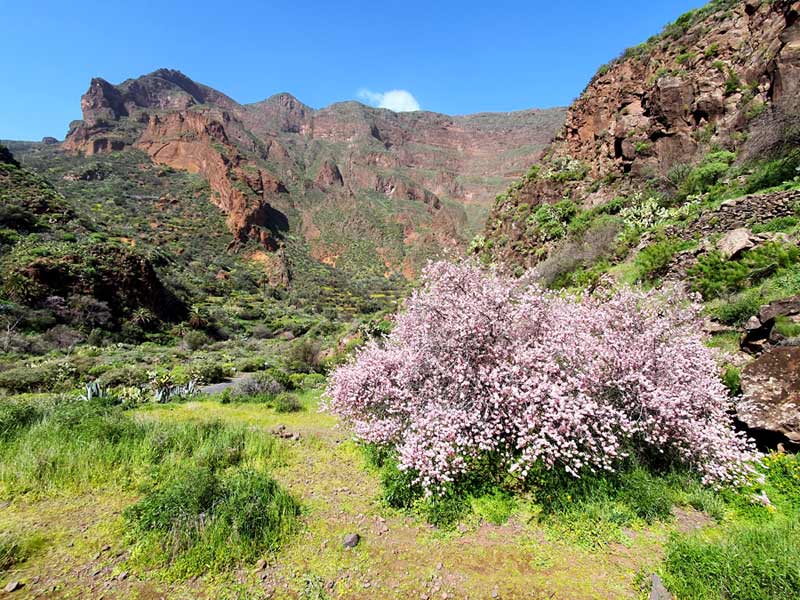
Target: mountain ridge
(276, 165)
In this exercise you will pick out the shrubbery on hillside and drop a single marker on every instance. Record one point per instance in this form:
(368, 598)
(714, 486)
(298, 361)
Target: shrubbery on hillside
(487, 373)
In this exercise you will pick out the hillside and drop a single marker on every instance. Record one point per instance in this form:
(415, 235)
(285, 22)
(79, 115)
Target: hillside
(367, 190)
(722, 77)
(680, 164)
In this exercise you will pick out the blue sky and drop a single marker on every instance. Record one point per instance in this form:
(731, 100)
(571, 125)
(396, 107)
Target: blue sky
(451, 57)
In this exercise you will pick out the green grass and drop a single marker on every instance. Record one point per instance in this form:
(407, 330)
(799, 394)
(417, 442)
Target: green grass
(751, 562)
(200, 519)
(16, 548)
(754, 555)
(73, 446)
(208, 501)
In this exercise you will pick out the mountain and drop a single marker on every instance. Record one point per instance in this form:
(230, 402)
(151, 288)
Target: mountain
(363, 189)
(720, 79)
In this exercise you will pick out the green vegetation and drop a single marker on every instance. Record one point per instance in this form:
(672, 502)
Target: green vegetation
(751, 556)
(653, 261)
(713, 275)
(198, 520)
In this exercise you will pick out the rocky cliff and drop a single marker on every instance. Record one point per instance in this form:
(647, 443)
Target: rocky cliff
(363, 187)
(695, 87)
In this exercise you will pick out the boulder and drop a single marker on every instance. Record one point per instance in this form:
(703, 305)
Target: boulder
(771, 393)
(13, 586)
(734, 242)
(785, 307)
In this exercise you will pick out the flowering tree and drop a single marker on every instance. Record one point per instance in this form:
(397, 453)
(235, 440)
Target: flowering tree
(479, 365)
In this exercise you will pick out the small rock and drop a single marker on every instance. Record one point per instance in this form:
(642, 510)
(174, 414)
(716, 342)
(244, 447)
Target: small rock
(261, 564)
(122, 576)
(440, 566)
(105, 548)
(657, 589)
(752, 324)
(734, 242)
(351, 540)
(13, 586)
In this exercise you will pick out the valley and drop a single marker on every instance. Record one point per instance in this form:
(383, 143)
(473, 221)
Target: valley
(263, 350)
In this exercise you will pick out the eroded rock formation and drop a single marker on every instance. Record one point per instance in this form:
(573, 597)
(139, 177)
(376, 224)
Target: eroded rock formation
(280, 164)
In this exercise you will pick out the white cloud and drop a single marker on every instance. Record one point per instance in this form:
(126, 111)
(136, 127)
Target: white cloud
(396, 100)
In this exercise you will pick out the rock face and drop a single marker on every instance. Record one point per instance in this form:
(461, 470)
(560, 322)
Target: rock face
(666, 102)
(279, 164)
(771, 393)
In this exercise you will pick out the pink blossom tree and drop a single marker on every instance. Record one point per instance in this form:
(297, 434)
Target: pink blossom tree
(482, 365)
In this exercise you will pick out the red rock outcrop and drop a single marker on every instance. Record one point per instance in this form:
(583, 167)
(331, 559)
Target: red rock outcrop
(196, 142)
(664, 103)
(278, 157)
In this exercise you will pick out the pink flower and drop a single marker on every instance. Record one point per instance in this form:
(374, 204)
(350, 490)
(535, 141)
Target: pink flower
(478, 363)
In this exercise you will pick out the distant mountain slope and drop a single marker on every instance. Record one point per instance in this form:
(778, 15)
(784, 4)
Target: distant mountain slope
(647, 118)
(366, 189)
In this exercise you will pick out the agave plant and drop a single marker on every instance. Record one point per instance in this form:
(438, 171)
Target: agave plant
(94, 390)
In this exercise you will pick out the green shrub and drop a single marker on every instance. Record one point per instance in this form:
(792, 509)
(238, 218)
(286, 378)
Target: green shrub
(304, 356)
(287, 403)
(786, 327)
(207, 372)
(713, 275)
(199, 520)
(738, 309)
(713, 166)
(731, 377)
(647, 495)
(194, 340)
(774, 172)
(33, 378)
(495, 507)
(776, 224)
(550, 221)
(652, 262)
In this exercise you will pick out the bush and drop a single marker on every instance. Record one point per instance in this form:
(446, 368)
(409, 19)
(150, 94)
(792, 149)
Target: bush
(304, 356)
(194, 340)
(714, 275)
(652, 262)
(36, 378)
(258, 384)
(487, 373)
(199, 520)
(731, 377)
(207, 372)
(286, 403)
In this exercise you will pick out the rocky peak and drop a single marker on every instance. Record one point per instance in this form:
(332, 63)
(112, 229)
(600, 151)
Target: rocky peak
(279, 113)
(102, 102)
